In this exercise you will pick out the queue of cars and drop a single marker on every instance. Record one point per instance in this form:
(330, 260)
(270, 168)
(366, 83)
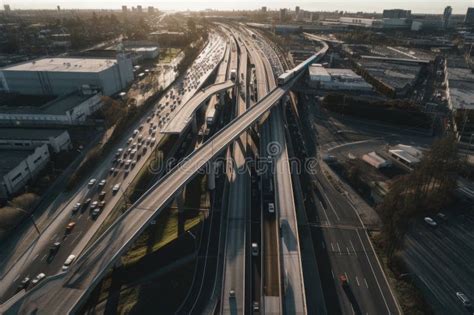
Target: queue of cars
(126, 159)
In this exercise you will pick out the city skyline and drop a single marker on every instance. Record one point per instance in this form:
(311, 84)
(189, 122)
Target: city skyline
(428, 7)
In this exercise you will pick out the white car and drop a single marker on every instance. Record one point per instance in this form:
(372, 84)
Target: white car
(271, 207)
(430, 221)
(68, 262)
(464, 299)
(116, 188)
(102, 183)
(255, 249)
(38, 278)
(92, 182)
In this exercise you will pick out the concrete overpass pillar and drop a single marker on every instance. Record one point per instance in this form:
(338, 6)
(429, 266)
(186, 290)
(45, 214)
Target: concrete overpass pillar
(194, 124)
(211, 176)
(181, 215)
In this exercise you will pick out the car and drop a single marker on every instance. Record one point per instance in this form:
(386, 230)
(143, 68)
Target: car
(92, 182)
(129, 140)
(102, 195)
(101, 204)
(87, 202)
(94, 204)
(271, 207)
(232, 294)
(116, 188)
(68, 262)
(54, 248)
(95, 213)
(76, 207)
(70, 226)
(112, 170)
(255, 249)
(38, 278)
(430, 221)
(102, 183)
(464, 299)
(256, 306)
(343, 280)
(23, 284)
(442, 216)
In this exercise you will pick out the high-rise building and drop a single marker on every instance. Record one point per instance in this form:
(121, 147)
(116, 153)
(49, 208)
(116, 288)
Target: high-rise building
(7, 8)
(124, 9)
(297, 10)
(447, 16)
(469, 20)
(282, 15)
(59, 8)
(264, 9)
(139, 9)
(396, 14)
(151, 10)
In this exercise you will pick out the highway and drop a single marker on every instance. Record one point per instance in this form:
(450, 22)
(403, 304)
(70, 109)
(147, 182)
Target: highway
(238, 209)
(343, 247)
(35, 259)
(186, 114)
(64, 292)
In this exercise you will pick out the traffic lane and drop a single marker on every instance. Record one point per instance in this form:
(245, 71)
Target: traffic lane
(348, 256)
(441, 259)
(39, 261)
(271, 272)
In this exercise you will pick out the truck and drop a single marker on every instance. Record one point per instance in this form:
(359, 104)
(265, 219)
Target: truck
(233, 74)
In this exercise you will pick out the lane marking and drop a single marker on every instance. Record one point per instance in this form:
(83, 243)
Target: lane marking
(353, 248)
(324, 245)
(332, 247)
(325, 213)
(347, 277)
(333, 209)
(332, 274)
(348, 252)
(373, 272)
(45, 255)
(357, 280)
(17, 277)
(54, 236)
(75, 238)
(366, 284)
(338, 248)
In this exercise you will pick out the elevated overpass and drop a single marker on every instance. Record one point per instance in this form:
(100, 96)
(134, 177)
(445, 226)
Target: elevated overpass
(186, 113)
(64, 293)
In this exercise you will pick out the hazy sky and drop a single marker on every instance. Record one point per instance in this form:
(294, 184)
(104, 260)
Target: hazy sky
(418, 6)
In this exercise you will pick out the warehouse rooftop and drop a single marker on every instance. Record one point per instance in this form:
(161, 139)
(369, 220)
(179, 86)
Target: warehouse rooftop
(29, 133)
(63, 65)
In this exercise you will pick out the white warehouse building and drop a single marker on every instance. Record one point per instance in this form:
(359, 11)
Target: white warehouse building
(60, 76)
(27, 139)
(336, 79)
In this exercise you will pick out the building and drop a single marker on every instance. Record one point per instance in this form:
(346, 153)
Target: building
(375, 160)
(17, 167)
(139, 9)
(264, 9)
(337, 79)
(469, 19)
(396, 14)
(141, 49)
(361, 22)
(60, 76)
(297, 12)
(406, 154)
(6, 8)
(424, 24)
(460, 97)
(283, 15)
(151, 10)
(27, 139)
(447, 16)
(65, 110)
(124, 9)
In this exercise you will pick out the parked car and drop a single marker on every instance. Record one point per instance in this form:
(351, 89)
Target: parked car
(430, 221)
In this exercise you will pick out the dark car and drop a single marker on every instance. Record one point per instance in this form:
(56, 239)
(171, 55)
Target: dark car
(23, 284)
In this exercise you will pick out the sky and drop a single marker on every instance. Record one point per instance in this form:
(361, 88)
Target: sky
(417, 6)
